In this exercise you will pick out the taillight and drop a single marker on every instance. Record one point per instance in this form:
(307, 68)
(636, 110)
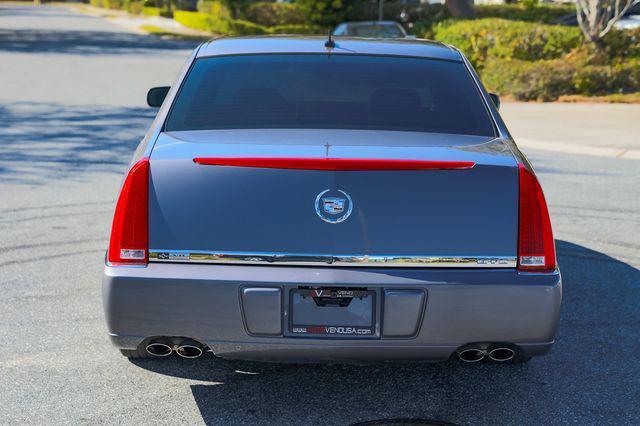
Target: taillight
(536, 248)
(334, 164)
(129, 232)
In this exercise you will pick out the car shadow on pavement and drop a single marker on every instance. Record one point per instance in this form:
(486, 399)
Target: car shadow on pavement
(85, 42)
(41, 141)
(591, 361)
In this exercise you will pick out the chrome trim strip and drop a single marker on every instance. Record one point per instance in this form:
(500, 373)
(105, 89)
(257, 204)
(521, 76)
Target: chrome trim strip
(294, 259)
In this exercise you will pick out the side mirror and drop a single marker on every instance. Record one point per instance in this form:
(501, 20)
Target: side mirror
(156, 95)
(496, 100)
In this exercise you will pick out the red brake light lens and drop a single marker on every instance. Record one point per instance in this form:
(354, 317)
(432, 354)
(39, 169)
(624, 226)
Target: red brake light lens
(334, 164)
(536, 247)
(129, 232)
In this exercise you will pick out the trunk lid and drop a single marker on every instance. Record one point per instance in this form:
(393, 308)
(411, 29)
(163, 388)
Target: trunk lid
(222, 209)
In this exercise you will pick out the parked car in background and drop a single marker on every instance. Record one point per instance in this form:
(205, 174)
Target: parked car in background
(629, 21)
(371, 29)
(303, 199)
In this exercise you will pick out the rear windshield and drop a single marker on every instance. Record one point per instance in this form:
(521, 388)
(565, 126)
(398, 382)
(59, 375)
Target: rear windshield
(320, 91)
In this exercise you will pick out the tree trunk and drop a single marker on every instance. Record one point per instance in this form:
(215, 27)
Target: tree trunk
(461, 8)
(597, 17)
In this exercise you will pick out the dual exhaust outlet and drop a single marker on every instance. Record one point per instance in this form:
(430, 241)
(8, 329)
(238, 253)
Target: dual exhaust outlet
(185, 348)
(472, 354)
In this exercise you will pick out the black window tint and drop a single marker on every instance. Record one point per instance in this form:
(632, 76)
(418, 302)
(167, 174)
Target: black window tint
(330, 92)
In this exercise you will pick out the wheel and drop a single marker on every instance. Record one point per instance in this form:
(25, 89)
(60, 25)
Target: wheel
(135, 353)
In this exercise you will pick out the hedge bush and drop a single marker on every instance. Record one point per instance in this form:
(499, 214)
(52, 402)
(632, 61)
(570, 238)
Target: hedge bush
(154, 11)
(605, 79)
(275, 14)
(297, 29)
(135, 7)
(216, 24)
(427, 15)
(531, 12)
(547, 80)
(622, 43)
(525, 80)
(328, 13)
(201, 21)
(241, 27)
(108, 4)
(214, 8)
(500, 38)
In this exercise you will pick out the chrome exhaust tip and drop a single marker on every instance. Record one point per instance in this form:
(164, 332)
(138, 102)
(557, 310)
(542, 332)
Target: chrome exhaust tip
(189, 351)
(159, 349)
(471, 355)
(502, 354)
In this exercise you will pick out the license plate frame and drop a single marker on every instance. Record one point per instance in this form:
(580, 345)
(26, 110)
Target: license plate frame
(331, 327)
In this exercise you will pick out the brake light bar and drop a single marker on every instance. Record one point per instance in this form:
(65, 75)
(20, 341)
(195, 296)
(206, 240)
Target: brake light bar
(536, 247)
(333, 164)
(129, 233)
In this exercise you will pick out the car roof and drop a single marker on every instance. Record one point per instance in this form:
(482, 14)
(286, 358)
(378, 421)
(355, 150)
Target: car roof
(315, 44)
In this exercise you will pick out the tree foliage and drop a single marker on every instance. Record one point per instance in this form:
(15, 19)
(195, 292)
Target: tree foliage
(328, 13)
(236, 6)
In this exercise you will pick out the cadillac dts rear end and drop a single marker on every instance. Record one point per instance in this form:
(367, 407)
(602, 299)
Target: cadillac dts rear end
(301, 203)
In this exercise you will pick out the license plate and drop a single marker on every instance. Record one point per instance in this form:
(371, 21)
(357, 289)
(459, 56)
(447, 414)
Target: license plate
(333, 312)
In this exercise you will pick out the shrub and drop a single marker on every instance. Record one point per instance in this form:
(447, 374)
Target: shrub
(135, 7)
(297, 29)
(275, 14)
(531, 12)
(112, 4)
(328, 13)
(499, 38)
(623, 43)
(217, 25)
(214, 8)
(594, 80)
(240, 27)
(603, 79)
(151, 11)
(547, 80)
(524, 80)
(201, 21)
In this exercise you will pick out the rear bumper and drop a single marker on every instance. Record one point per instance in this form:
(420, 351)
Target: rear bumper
(206, 302)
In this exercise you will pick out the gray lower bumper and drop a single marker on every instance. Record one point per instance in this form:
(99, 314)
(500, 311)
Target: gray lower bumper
(204, 302)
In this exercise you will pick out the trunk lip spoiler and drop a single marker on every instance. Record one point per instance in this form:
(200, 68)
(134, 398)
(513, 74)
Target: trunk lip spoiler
(334, 164)
(345, 260)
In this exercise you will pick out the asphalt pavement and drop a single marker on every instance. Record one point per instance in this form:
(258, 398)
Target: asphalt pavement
(72, 110)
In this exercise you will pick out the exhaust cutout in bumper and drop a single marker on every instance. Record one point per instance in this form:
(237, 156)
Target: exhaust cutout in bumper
(502, 354)
(189, 351)
(159, 349)
(471, 355)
